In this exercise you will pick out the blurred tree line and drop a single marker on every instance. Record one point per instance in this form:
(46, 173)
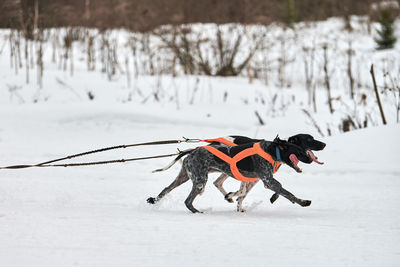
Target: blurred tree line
(145, 15)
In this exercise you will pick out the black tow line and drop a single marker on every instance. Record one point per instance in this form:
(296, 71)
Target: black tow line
(49, 163)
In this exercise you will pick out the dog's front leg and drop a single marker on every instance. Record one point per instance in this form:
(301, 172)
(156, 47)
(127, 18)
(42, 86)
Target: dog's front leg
(275, 186)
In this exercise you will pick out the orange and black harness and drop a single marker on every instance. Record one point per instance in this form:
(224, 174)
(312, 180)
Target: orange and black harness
(254, 150)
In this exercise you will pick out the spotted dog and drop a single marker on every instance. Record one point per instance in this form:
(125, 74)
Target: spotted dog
(305, 141)
(200, 161)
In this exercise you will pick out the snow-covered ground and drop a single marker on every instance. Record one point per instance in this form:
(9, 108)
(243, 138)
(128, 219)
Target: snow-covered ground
(280, 90)
(98, 215)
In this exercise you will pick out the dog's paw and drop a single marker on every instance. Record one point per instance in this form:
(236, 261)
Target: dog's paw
(195, 211)
(274, 198)
(228, 197)
(151, 200)
(305, 203)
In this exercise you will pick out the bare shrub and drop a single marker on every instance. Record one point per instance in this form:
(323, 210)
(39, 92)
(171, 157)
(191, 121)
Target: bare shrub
(222, 55)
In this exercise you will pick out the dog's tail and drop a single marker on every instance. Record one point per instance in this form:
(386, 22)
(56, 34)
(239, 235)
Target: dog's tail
(181, 154)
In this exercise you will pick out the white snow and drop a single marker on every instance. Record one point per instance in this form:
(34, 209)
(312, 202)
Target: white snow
(98, 215)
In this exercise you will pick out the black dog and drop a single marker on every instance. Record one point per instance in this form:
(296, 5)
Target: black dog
(305, 141)
(200, 162)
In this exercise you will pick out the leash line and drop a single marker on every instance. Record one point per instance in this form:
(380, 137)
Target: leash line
(88, 163)
(49, 163)
(115, 147)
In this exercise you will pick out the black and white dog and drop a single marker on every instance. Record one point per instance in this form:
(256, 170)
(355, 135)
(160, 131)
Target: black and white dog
(305, 141)
(199, 162)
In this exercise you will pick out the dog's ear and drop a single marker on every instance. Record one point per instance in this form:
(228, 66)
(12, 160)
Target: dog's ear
(277, 139)
(282, 145)
(292, 140)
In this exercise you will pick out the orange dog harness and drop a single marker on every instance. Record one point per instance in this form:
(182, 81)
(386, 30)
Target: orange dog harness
(255, 150)
(220, 140)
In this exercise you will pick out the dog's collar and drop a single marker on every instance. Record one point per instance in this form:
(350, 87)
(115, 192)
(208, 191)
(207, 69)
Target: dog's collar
(278, 154)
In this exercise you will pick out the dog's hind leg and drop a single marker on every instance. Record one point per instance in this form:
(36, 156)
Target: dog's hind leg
(229, 197)
(196, 190)
(180, 179)
(243, 191)
(219, 182)
(199, 179)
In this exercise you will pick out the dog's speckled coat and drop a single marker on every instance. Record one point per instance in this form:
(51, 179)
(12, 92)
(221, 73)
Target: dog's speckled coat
(200, 162)
(305, 141)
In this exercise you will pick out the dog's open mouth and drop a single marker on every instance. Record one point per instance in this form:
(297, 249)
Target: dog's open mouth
(313, 157)
(295, 161)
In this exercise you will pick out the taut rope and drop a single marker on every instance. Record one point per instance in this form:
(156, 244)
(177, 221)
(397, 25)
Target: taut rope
(48, 163)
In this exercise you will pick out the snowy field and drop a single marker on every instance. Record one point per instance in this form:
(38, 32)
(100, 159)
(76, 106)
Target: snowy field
(98, 215)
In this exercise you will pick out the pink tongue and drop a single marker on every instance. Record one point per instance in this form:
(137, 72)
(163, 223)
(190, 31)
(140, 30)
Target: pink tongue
(294, 160)
(313, 157)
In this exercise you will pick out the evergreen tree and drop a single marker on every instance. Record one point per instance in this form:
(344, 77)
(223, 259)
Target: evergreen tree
(386, 38)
